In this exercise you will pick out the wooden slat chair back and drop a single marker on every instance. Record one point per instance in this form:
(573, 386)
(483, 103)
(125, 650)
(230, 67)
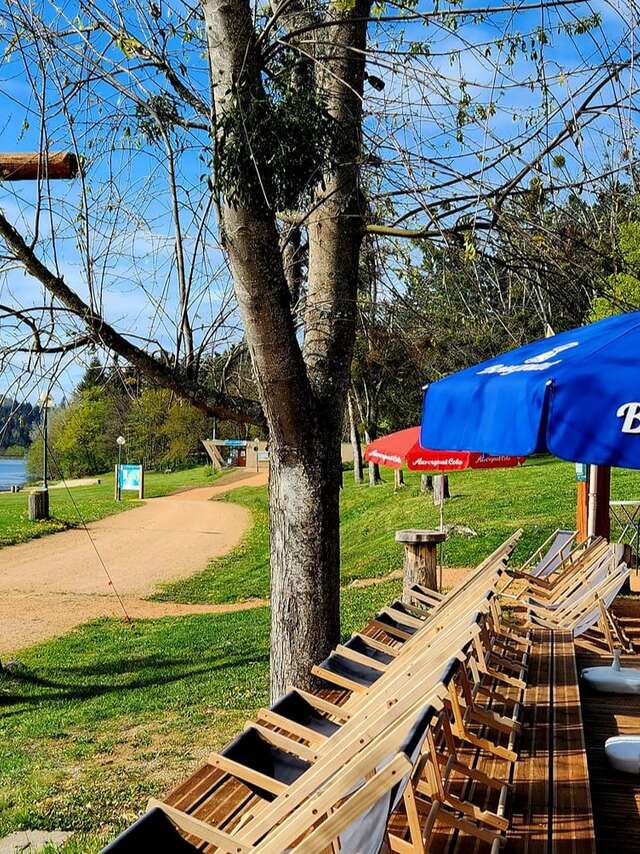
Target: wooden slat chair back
(355, 735)
(548, 557)
(404, 689)
(572, 587)
(590, 607)
(562, 613)
(578, 574)
(429, 797)
(333, 826)
(420, 669)
(372, 764)
(300, 717)
(573, 565)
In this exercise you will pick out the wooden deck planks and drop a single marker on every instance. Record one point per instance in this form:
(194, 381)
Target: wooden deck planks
(529, 831)
(616, 796)
(572, 821)
(552, 810)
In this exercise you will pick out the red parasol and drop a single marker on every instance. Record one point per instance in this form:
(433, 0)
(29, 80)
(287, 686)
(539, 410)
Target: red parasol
(403, 448)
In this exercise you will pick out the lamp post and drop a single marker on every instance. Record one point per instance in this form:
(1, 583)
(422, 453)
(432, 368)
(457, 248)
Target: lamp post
(46, 401)
(121, 442)
(39, 498)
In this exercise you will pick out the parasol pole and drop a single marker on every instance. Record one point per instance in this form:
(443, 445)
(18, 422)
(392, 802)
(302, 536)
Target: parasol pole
(593, 501)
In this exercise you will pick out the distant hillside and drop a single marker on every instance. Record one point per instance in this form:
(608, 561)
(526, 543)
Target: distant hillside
(16, 424)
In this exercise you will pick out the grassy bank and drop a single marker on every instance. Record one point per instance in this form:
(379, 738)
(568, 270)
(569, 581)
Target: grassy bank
(69, 508)
(538, 497)
(100, 719)
(94, 722)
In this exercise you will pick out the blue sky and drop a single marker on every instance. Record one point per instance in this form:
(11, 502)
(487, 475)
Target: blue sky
(132, 234)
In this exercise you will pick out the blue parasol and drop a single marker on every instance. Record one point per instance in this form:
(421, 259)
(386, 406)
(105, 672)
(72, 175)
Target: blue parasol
(575, 395)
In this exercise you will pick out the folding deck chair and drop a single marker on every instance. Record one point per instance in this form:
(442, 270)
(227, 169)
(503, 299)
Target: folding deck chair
(602, 560)
(548, 557)
(350, 812)
(584, 609)
(376, 715)
(546, 586)
(293, 750)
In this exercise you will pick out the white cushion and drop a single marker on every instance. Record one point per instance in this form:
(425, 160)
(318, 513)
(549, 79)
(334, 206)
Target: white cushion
(623, 752)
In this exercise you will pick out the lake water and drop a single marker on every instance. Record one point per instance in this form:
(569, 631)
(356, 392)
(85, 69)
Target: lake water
(12, 471)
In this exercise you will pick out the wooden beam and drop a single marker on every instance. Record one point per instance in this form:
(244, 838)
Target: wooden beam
(30, 167)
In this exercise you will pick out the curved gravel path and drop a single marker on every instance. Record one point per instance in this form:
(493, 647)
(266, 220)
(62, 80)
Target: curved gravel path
(50, 585)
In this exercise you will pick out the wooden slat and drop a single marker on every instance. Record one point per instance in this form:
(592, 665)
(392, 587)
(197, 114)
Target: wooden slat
(572, 821)
(616, 796)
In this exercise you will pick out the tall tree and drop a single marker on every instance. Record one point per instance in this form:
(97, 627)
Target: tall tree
(275, 140)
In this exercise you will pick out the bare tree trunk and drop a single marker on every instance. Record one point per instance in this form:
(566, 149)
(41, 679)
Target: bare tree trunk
(374, 468)
(302, 391)
(355, 441)
(304, 490)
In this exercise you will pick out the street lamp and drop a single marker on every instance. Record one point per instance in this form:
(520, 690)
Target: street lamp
(121, 442)
(46, 402)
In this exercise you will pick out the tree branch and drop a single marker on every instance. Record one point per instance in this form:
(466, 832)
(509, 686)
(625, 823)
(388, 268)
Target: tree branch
(213, 403)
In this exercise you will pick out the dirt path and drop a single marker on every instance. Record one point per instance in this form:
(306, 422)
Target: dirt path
(49, 585)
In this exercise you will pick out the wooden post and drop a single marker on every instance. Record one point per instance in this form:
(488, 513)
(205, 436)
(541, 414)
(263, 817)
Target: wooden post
(420, 560)
(426, 483)
(38, 504)
(602, 526)
(582, 507)
(440, 488)
(31, 167)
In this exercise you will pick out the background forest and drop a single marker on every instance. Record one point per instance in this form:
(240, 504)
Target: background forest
(424, 311)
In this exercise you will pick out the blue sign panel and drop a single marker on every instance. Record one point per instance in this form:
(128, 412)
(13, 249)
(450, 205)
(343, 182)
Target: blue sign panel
(130, 477)
(581, 472)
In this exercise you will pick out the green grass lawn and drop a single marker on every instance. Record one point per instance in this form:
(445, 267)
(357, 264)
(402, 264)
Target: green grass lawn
(107, 715)
(101, 718)
(538, 497)
(69, 507)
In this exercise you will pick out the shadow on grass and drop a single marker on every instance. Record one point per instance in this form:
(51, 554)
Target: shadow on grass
(61, 691)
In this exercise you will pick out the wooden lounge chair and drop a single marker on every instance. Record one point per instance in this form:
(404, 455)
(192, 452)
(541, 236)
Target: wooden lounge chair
(578, 559)
(587, 607)
(294, 749)
(548, 557)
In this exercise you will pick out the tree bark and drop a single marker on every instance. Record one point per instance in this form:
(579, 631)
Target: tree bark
(303, 393)
(304, 491)
(355, 442)
(374, 468)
